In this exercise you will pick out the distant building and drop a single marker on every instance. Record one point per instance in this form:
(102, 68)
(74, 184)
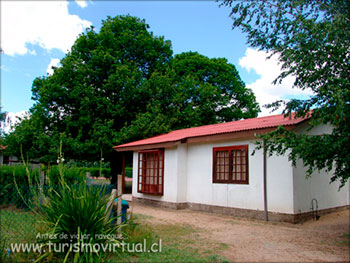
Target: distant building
(2, 148)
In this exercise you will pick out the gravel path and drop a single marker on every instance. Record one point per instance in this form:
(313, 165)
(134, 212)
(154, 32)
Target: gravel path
(256, 241)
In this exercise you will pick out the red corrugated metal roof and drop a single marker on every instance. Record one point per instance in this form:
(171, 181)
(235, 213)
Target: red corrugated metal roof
(214, 129)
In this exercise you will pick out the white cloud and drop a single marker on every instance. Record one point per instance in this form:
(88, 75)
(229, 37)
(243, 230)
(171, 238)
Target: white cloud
(44, 23)
(269, 70)
(11, 119)
(53, 63)
(81, 3)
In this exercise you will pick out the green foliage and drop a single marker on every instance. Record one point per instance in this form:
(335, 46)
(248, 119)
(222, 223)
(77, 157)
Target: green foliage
(209, 91)
(134, 232)
(72, 175)
(128, 172)
(10, 196)
(13, 177)
(122, 84)
(312, 39)
(18, 172)
(3, 248)
(2, 119)
(99, 86)
(18, 226)
(194, 90)
(76, 215)
(29, 136)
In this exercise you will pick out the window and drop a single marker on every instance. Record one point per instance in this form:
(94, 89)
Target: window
(151, 172)
(230, 165)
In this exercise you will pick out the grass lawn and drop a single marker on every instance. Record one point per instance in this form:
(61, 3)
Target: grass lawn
(180, 243)
(19, 226)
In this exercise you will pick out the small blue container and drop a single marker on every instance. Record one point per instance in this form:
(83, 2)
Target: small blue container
(125, 206)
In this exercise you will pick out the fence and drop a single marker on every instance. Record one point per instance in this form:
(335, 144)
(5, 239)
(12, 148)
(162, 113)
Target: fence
(19, 224)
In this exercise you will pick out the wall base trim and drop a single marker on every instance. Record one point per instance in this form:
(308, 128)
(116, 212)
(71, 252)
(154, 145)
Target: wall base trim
(157, 203)
(239, 212)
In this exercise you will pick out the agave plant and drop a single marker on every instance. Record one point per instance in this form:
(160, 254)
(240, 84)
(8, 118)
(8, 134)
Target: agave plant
(78, 220)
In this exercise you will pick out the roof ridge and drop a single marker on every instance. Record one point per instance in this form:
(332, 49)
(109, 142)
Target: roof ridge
(219, 128)
(222, 123)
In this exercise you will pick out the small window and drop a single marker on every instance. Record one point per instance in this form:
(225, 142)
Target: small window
(151, 172)
(230, 165)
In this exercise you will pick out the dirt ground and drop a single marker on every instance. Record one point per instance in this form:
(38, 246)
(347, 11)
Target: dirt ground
(325, 240)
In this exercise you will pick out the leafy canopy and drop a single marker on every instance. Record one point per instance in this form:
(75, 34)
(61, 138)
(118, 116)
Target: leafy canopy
(194, 90)
(121, 84)
(312, 39)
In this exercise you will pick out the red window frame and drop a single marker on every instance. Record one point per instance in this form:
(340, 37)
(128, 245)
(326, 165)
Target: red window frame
(233, 168)
(151, 172)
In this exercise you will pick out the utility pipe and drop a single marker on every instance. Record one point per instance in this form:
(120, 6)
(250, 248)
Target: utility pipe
(266, 217)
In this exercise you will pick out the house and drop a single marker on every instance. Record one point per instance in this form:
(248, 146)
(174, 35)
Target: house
(13, 160)
(211, 168)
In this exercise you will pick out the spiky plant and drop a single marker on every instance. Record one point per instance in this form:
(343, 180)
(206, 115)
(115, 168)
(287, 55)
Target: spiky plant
(78, 219)
(79, 222)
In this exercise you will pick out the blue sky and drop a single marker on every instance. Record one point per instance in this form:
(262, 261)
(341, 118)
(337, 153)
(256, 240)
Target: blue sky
(37, 34)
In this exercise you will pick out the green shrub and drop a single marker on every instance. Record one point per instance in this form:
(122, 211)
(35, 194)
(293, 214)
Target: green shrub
(106, 172)
(94, 172)
(14, 185)
(72, 175)
(7, 173)
(128, 172)
(11, 195)
(76, 215)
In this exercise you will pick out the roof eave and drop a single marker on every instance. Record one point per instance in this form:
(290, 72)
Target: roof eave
(146, 146)
(246, 134)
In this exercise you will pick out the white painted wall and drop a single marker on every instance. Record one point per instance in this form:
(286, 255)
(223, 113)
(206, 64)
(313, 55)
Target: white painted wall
(280, 184)
(188, 178)
(318, 186)
(171, 179)
(202, 190)
(181, 173)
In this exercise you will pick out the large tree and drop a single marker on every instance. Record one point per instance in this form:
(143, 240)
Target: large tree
(312, 40)
(122, 84)
(99, 86)
(194, 90)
